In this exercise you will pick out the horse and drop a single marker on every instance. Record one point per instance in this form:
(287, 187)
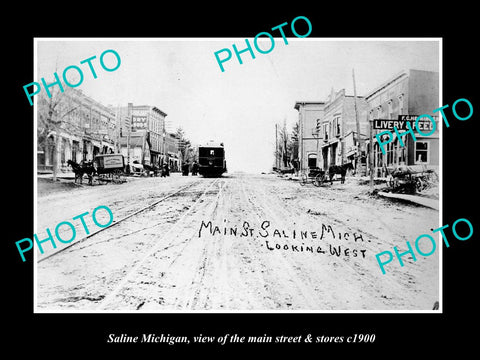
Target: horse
(339, 169)
(80, 170)
(151, 168)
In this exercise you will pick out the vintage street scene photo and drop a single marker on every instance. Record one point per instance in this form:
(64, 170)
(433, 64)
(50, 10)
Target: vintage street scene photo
(237, 175)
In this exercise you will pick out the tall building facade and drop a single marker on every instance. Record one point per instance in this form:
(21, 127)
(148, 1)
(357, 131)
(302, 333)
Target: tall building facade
(408, 94)
(172, 151)
(309, 114)
(338, 129)
(142, 127)
(73, 126)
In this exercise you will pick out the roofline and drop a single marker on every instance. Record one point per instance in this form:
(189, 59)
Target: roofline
(385, 84)
(213, 144)
(150, 107)
(298, 103)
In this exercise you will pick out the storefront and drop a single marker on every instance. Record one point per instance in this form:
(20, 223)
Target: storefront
(403, 98)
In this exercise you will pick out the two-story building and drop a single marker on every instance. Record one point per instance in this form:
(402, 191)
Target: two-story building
(406, 95)
(337, 129)
(172, 151)
(72, 126)
(142, 127)
(309, 114)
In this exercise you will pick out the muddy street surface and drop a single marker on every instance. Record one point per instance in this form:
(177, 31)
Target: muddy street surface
(237, 243)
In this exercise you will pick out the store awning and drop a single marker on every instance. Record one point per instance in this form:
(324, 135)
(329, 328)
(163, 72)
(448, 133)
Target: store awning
(330, 143)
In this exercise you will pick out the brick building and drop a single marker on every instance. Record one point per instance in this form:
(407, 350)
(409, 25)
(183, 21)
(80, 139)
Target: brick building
(72, 126)
(337, 129)
(172, 151)
(410, 92)
(309, 114)
(145, 124)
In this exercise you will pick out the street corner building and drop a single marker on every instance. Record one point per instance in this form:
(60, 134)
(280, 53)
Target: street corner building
(145, 136)
(406, 96)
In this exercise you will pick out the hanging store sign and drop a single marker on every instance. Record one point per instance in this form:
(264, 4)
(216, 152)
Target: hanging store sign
(424, 125)
(388, 124)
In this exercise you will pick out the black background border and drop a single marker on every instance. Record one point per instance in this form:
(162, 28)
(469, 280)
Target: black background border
(87, 333)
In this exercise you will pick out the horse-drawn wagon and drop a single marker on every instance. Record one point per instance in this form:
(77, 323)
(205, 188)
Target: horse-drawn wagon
(109, 168)
(317, 176)
(411, 178)
(314, 175)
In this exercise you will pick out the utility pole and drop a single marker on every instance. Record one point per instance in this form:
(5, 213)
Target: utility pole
(128, 139)
(130, 116)
(370, 155)
(357, 120)
(285, 143)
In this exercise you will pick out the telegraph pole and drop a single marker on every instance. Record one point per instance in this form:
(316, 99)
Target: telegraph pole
(370, 155)
(357, 120)
(130, 116)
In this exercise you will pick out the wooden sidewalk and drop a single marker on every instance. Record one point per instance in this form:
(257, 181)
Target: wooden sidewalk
(431, 203)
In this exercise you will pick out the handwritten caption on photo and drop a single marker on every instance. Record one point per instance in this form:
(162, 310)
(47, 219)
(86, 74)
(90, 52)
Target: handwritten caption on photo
(291, 240)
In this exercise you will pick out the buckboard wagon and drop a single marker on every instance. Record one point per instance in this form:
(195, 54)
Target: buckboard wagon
(109, 168)
(314, 175)
(411, 178)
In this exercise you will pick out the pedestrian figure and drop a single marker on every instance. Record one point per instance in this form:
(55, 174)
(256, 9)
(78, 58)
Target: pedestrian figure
(167, 169)
(296, 166)
(194, 168)
(185, 167)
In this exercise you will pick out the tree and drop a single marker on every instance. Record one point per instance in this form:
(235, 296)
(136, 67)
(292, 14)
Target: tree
(56, 116)
(293, 144)
(184, 144)
(48, 124)
(283, 147)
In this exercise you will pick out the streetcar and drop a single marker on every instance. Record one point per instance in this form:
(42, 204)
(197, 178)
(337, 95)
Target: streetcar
(211, 159)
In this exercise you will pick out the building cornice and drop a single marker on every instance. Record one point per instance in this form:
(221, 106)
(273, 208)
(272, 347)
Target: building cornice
(398, 76)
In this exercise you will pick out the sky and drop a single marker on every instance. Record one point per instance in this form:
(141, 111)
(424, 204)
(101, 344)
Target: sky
(241, 105)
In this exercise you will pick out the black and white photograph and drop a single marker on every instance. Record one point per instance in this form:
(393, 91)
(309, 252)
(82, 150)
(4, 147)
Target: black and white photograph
(235, 187)
(280, 181)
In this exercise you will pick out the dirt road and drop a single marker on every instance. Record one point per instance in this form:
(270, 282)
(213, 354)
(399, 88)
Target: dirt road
(237, 243)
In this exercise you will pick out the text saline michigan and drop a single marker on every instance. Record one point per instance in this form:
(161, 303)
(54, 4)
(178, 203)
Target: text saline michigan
(148, 338)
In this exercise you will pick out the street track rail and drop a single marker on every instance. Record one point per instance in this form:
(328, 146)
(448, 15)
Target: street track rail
(159, 244)
(182, 189)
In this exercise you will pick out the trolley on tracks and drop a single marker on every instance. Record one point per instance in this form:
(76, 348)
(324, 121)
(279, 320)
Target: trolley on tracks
(109, 168)
(211, 159)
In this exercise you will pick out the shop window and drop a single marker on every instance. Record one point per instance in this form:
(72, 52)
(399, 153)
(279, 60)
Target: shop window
(421, 152)
(399, 151)
(401, 98)
(390, 151)
(378, 155)
(336, 126)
